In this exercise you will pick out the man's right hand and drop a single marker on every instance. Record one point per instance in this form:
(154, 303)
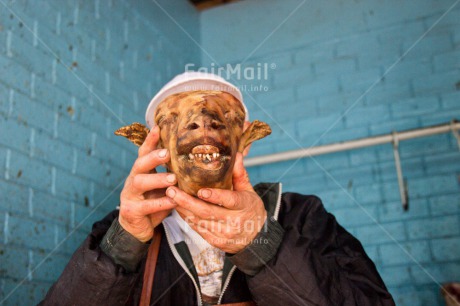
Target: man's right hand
(143, 204)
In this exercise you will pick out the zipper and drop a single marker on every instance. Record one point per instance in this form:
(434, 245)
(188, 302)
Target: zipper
(275, 215)
(226, 284)
(278, 202)
(182, 264)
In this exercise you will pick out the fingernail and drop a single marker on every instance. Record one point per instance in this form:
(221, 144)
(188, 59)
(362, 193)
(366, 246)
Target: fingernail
(162, 153)
(205, 193)
(171, 178)
(170, 193)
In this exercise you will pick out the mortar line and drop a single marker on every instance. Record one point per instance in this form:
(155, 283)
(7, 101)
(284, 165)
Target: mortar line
(58, 245)
(384, 74)
(273, 31)
(68, 68)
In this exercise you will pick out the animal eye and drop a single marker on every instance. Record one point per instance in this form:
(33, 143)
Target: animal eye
(192, 126)
(217, 126)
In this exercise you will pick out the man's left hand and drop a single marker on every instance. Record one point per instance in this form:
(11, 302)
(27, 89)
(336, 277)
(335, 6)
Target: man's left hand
(227, 219)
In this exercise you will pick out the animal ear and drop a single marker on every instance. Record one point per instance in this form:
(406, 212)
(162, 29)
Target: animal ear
(256, 130)
(135, 132)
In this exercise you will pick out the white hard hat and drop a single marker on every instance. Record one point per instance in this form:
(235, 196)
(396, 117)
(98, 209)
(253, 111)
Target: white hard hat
(190, 81)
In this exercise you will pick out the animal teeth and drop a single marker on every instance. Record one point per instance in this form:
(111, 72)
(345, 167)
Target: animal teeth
(204, 156)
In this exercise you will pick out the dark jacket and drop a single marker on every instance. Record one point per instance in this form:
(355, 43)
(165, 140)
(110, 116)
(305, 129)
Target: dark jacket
(304, 258)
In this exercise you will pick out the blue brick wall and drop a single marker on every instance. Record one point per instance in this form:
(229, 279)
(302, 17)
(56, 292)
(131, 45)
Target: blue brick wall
(340, 63)
(71, 72)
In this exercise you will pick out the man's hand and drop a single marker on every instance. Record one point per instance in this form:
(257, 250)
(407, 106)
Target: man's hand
(143, 204)
(236, 219)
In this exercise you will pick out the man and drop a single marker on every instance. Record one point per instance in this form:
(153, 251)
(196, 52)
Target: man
(294, 252)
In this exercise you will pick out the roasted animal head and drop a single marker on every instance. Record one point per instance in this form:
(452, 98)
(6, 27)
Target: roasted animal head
(203, 130)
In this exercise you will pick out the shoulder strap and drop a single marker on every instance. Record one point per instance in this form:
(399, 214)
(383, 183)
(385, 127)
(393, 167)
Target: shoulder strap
(149, 271)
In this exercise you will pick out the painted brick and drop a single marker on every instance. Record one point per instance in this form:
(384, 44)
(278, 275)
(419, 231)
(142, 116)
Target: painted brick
(70, 239)
(408, 69)
(335, 198)
(48, 268)
(55, 101)
(32, 113)
(17, 75)
(450, 100)
(4, 217)
(368, 193)
(19, 193)
(396, 276)
(319, 125)
(355, 216)
(377, 234)
(440, 117)
(414, 107)
(32, 291)
(362, 156)
(300, 74)
(394, 125)
(30, 172)
(447, 61)
(318, 87)
(283, 130)
(313, 53)
(436, 83)
(393, 211)
(353, 176)
(357, 45)
(49, 207)
(391, 191)
(442, 163)
(407, 296)
(439, 272)
(361, 80)
(387, 92)
(282, 169)
(15, 261)
(427, 145)
(267, 148)
(72, 187)
(373, 253)
(33, 233)
(281, 61)
(405, 253)
(443, 226)
(333, 161)
(18, 140)
(4, 100)
(343, 65)
(367, 115)
(94, 169)
(445, 204)
(428, 46)
(345, 134)
(85, 216)
(297, 111)
(412, 169)
(446, 249)
(303, 184)
(440, 184)
(52, 151)
(271, 99)
(329, 104)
